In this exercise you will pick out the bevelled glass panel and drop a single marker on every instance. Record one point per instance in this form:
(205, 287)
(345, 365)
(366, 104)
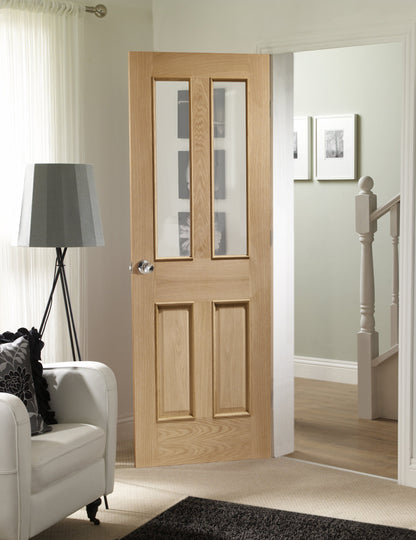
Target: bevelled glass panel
(229, 168)
(173, 178)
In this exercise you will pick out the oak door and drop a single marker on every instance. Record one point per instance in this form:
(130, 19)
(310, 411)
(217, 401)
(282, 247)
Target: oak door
(201, 254)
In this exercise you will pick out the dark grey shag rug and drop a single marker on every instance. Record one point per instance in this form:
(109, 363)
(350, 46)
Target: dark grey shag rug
(203, 519)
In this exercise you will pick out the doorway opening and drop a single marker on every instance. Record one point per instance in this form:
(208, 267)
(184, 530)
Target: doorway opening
(365, 81)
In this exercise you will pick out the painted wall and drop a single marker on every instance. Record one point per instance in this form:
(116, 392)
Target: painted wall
(243, 25)
(127, 26)
(366, 81)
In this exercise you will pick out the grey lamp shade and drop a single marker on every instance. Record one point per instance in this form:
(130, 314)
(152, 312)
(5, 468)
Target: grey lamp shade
(60, 207)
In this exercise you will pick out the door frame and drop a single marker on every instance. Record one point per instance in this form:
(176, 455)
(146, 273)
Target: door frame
(283, 298)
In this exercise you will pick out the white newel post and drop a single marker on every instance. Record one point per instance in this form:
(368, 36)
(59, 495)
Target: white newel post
(394, 308)
(367, 339)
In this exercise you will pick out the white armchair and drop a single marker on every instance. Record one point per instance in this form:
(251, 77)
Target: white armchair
(46, 477)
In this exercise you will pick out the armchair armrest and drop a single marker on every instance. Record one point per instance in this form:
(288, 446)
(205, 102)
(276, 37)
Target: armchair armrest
(15, 468)
(86, 392)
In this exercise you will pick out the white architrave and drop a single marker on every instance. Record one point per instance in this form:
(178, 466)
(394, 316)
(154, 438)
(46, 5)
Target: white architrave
(394, 307)
(405, 34)
(283, 254)
(406, 414)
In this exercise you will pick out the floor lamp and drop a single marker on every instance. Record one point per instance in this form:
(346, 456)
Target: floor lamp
(60, 209)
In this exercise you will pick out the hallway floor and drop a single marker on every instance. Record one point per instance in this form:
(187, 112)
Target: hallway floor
(328, 430)
(287, 484)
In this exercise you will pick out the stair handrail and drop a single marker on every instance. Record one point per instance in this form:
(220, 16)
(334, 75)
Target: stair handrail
(380, 212)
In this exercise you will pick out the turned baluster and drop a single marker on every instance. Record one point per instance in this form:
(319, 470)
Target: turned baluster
(367, 339)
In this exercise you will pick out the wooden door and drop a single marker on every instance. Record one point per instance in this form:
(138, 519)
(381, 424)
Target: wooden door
(201, 216)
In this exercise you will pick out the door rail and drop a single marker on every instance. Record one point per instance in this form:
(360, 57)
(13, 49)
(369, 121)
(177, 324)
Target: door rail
(368, 357)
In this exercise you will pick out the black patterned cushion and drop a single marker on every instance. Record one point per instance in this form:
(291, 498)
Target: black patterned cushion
(16, 378)
(41, 385)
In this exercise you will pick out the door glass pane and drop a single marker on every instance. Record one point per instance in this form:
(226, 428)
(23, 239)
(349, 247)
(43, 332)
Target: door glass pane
(229, 168)
(173, 179)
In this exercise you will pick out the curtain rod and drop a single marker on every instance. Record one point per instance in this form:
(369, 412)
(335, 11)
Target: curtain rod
(100, 10)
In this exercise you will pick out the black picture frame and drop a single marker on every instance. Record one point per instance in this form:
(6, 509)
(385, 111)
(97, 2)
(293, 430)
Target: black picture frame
(183, 174)
(219, 113)
(183, 114)
(184, 234)
(220, 246)
(219, 174)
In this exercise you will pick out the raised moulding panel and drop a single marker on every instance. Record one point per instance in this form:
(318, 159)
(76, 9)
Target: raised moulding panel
(174, 361)
(231, 368)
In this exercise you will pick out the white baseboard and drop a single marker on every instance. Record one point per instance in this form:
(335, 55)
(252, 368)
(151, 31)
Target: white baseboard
(125, 428)
(323, 369)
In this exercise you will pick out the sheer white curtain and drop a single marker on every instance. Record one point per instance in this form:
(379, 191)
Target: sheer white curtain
(40, 122)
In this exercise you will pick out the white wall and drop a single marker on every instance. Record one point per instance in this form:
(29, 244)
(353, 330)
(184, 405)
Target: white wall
(241, 25)
(366, 81)
(127, 26)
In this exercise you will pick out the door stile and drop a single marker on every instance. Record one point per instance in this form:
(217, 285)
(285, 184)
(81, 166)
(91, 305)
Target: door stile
(142, 235)
(259, 164)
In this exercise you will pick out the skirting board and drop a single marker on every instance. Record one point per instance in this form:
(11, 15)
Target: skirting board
(323, 369)
(125, 428)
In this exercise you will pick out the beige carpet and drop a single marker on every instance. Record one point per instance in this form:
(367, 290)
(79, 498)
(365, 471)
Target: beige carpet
(283, 483)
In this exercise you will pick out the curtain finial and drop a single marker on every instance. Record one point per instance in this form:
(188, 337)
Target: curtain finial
(100, 10)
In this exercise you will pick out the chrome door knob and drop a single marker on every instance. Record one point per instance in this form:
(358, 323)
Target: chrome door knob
(145, 267)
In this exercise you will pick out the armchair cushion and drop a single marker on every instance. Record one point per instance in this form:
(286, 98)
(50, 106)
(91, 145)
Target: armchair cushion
(16, 378)
(66, 449)
(41, 386)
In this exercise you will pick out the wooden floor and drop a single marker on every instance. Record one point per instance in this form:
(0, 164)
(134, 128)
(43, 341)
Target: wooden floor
(328, 430)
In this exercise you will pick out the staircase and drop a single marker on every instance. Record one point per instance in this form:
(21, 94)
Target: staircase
(377, 373)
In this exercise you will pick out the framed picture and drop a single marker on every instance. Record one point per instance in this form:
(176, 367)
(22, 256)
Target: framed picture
(184, 226)
(335, 147)
(302, 148)
(219, 240)
(183, 114)
(183, 174)
(219, 174)
(219, 112)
